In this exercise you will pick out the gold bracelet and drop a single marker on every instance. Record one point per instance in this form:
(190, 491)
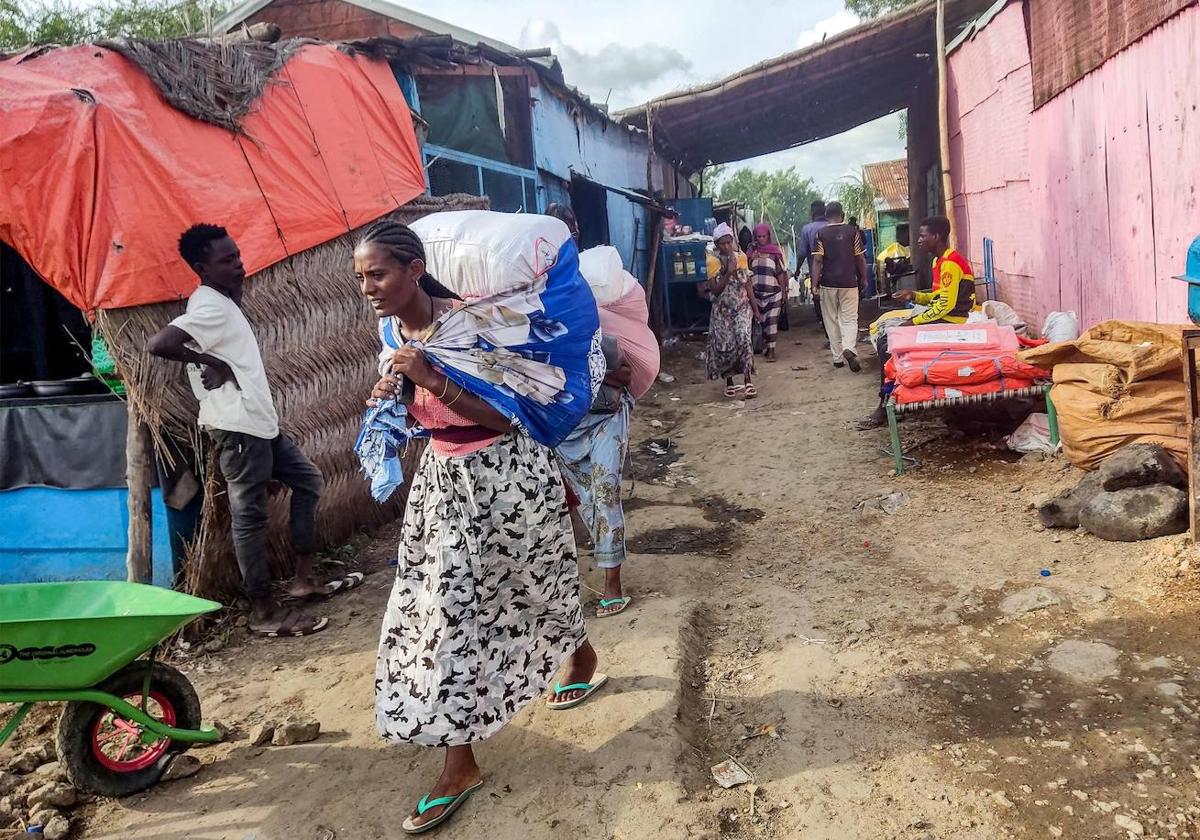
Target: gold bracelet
(444, 390)
(456, 396)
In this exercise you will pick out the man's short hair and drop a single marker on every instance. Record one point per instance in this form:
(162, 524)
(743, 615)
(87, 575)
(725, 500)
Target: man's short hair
(834, 209)
(197, 240)
(817, 208)
(938, 225)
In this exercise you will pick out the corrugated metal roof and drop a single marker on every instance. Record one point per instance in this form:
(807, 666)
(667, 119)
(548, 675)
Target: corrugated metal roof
(816, 92)
(890, 181)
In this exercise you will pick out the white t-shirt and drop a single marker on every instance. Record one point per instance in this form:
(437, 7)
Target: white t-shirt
(218, 327)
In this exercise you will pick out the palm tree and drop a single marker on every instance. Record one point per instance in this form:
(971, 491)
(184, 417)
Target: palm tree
(857, 198)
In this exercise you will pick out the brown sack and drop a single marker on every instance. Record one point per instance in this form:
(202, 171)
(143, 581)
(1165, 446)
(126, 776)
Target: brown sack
(1094, 424)
(1121, 382)
(1132, 351)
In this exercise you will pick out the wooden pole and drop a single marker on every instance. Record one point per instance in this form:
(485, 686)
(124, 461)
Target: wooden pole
(139, 563)
(944, 121)
(655, 243)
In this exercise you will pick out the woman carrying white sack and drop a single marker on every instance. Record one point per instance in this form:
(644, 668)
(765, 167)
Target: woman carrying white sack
(485, 607)
(593, 455)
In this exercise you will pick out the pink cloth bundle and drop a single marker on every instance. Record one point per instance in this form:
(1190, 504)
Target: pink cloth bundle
(627, 319)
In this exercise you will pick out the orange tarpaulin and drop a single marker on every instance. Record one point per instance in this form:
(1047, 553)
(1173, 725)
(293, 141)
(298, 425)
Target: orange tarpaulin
(99, 175)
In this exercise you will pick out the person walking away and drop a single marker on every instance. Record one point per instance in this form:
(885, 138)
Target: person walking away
(592, 458)
(485, 607)
(729, 349)
(225, 369)
(806, 250)
(769, 283)
(839, 274)
(950, 301)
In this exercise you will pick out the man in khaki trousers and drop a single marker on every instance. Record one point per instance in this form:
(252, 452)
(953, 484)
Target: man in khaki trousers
(839, 273)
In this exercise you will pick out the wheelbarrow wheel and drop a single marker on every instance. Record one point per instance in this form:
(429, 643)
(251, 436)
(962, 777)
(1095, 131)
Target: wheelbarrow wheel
(104, 753)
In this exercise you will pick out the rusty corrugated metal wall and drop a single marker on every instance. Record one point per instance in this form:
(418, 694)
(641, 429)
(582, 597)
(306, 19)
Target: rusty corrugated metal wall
(1070, 38)
(1093, 198)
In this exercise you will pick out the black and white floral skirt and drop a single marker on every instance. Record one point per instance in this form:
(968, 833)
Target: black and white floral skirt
(486, 601)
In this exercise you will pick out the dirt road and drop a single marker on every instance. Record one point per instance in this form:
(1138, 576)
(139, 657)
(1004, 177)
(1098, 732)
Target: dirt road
(911, 696)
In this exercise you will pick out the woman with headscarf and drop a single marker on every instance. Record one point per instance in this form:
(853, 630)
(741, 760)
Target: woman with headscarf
(485, 606)
(729, 351)
(769, 282)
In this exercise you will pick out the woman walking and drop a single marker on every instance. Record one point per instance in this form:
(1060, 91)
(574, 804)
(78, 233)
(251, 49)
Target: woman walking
(770, 277)
(485, 607)
(729, 352)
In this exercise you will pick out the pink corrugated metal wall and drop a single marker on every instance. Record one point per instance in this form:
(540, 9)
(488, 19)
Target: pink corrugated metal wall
(1092, 199)
(990, 98)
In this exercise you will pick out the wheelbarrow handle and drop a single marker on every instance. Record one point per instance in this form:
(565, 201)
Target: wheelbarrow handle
(204, 735)
(14, 721)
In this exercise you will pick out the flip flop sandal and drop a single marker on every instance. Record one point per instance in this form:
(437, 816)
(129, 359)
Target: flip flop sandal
(588, 689)
(605, 603)
(345, 584)
(451, 803)
(751, 392)
(287, 628)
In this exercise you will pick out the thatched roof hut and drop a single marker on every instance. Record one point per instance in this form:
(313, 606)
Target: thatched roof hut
(319, 344)
(260, 151)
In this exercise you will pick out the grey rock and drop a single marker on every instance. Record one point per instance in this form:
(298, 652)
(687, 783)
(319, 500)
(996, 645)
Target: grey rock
(1028, 600)
(296, 731)
(262, 734)
(54, 795)
(1171, 690)
(8, 782)
(32, 758)
(181, 767)
(1129, 824)
(1136, 513)
(1084, 661)
(51, 770)
(859, 625)
(1091, 594)
(43, 816)
(1062, 511)
(1158, 663)
(56, 828)
(1140, 465)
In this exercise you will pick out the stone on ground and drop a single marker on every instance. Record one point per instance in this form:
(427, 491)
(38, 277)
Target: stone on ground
(1084, 661)
(55, 795)
(57, 828)
(1028, 600)
(1140, 465)
(1063, 510)
(1136, 513)
(296, 731)
(181, 767)
(262, 734)
(1129, 824)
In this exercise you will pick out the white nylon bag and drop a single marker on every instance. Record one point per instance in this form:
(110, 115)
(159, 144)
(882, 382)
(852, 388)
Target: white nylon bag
(483, 252)
(1061, 326)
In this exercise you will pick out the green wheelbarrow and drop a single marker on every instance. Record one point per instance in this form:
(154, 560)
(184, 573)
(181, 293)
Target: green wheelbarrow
(79, 643)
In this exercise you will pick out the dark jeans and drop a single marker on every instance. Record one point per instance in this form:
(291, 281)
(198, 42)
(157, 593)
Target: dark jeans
(249, 464)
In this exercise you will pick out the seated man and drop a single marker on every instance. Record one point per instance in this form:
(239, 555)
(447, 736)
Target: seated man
(950, 301)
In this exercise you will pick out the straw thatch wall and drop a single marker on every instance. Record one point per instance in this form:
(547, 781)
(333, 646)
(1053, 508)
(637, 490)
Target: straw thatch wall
(319, 344)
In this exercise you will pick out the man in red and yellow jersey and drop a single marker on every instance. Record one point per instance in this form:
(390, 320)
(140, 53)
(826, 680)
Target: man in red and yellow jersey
(950, 301)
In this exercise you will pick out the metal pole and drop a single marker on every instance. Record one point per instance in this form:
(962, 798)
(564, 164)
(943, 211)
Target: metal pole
(944, 122)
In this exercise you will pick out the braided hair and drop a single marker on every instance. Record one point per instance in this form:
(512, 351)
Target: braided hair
(405, 246)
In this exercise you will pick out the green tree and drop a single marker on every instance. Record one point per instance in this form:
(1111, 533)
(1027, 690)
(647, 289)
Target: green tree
(868, 9)
(856, 195)
(783, 196)
(25, 22)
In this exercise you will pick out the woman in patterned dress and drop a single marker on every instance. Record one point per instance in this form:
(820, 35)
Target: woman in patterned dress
(485, 607)
(728, 351)
(770, 278)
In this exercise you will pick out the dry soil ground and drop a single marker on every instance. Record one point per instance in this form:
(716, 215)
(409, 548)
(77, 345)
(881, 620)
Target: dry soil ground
(906, 701)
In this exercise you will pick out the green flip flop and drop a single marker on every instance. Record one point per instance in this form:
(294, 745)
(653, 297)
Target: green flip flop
(452, 804)
(605, 603)
(588, 689)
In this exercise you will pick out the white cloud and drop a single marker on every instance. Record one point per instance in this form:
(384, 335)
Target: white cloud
(628, 72)
(819, 31)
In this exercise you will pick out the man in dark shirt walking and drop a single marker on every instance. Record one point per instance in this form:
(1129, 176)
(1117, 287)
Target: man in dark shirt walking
(806, 248)
(839, 274)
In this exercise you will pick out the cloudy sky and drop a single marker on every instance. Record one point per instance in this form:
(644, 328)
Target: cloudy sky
(629, 51)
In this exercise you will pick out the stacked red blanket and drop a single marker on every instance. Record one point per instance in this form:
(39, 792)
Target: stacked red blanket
(941, 361)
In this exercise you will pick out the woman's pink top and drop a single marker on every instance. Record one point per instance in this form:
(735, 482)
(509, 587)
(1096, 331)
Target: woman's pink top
(453, 435)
